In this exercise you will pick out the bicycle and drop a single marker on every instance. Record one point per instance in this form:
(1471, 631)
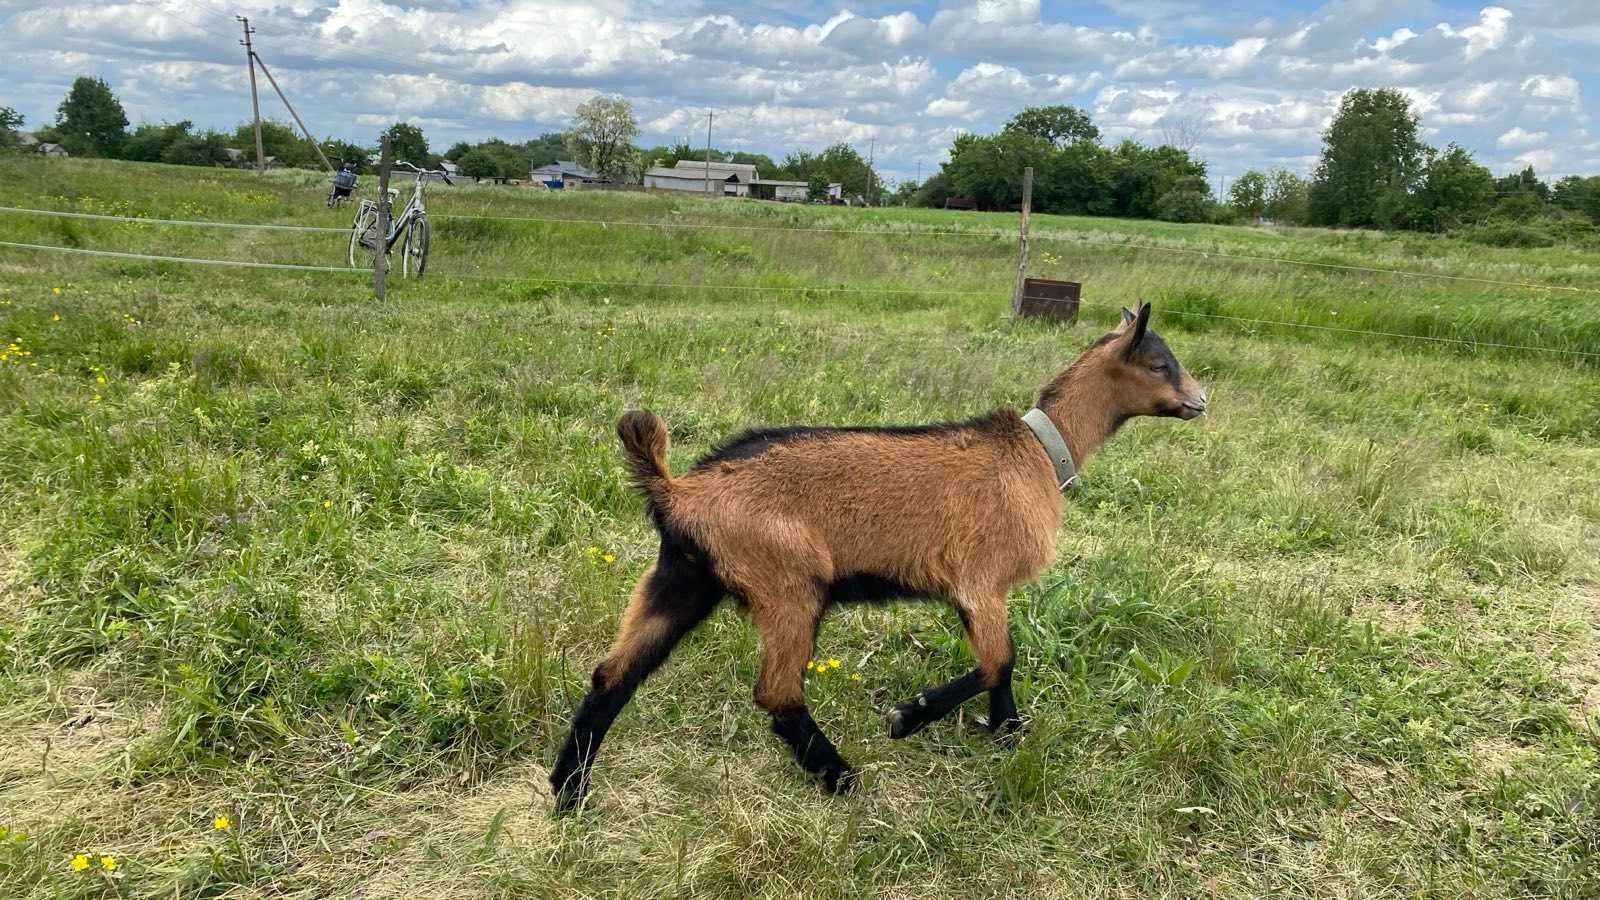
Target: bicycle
(344, 184)
(412, 221)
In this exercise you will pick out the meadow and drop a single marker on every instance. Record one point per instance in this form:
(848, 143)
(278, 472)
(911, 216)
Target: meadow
(298, 589)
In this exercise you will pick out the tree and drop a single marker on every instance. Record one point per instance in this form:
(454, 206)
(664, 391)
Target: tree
(601, 137)
(457, 150)
(1455, 191)
(1184, 129)
(817, 186)
(477, 164)
(1249, 194)
(1286, 199)
(407, 142)
(279, 141)
(1060, 125)
(1578, 194)
(1370, 151)
(91, 119)
(149, 141)
(1189, 200)
(1520, 206)
(10, 122)
(1526, 181)
(341, 152)
(1145, 174)
(545, 149)
(838, 163)
(989, 168)
(208, 149)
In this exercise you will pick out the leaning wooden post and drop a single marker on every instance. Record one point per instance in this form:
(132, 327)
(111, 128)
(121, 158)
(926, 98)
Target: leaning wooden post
(1022, 253)
(380, 255)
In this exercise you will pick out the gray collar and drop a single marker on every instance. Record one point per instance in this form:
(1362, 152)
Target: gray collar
(1060, 456)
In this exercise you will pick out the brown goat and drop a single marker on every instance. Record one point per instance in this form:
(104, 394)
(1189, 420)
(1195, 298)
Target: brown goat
(792, 520)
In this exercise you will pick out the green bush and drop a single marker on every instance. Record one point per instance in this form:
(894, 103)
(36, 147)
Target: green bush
(1507, 234)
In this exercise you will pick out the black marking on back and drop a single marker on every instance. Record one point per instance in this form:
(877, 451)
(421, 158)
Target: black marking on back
(756, 441)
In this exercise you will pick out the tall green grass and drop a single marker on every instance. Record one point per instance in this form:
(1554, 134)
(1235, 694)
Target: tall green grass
(338, 569)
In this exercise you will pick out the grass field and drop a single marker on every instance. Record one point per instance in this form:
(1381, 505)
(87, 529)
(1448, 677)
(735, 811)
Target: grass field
(337, 570)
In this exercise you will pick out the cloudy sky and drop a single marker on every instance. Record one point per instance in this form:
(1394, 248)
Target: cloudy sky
(1515, 82)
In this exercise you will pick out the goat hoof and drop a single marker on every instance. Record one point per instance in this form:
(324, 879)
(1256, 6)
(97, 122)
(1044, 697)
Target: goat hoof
(905, 720)
(839, 781)
(1007, 728)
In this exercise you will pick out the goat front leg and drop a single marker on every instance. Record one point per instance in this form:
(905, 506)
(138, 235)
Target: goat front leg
(788, 629)
(989, 634)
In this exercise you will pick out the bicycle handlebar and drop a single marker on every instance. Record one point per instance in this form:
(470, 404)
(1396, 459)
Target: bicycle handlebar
(437, 173)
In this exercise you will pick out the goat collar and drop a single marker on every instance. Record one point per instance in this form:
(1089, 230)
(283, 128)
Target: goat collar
(1054, 445)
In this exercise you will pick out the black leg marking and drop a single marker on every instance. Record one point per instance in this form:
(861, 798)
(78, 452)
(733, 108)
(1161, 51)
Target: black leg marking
(933, 704)
(812, 749)
(1003, 717)
(681, 595)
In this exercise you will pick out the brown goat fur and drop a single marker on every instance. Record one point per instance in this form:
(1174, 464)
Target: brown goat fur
(790, 521)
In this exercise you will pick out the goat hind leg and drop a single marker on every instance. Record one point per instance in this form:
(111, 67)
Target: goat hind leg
(788, 631)
(668, 602)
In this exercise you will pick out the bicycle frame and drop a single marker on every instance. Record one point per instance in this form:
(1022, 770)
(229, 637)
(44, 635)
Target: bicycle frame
(414, 208)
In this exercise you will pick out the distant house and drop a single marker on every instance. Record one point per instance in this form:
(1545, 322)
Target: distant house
(53, 150)
(26, 138)
(450, 168)
(725, 178)
(790, 191)
(562, 173)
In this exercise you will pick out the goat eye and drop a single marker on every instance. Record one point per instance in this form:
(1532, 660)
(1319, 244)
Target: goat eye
(1159, 367)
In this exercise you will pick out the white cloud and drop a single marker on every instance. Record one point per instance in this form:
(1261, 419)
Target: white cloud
(1552, 87)
(1517, 138)
(1264, 82)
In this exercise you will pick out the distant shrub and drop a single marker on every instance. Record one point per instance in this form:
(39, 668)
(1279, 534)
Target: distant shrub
(1508, 234)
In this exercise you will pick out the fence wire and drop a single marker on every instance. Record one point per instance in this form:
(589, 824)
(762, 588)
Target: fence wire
(866, 232)
(660, 285)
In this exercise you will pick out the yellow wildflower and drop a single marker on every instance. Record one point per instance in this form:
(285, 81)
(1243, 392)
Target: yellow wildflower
(96, 398)
(107, 863)
(221, 823)
(55, 317)
(608, 557)
(56, 291)
(99, 379)
(327, 504)
(593, 550)
(79, 862)
(855, 676)
(810, 665)
(833, 663)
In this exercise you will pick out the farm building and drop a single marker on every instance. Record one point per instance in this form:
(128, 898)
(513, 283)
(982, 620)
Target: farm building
(735, 180)
(26, 138)
(790, 191)
(691, 176)
(562, 173)
(53, 150)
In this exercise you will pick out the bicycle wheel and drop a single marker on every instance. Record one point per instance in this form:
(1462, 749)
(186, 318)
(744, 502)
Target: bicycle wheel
(366, 221)
(415, 260)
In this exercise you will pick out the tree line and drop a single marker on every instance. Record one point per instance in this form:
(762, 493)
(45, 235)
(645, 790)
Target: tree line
(90, 121)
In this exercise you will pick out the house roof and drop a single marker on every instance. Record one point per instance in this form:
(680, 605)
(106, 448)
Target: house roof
(26, 138)
(566, 167)
(745, 171)
(689, 174)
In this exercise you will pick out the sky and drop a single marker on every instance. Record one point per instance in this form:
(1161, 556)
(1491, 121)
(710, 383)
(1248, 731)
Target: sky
(1255, 83)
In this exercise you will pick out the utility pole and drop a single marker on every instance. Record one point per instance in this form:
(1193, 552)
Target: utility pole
(255, 105)
(303, 130)
(709, 116)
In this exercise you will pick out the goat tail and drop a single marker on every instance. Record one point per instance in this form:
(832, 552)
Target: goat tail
(644, 437)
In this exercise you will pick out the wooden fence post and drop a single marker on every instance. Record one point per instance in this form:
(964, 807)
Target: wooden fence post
(380, 256)
(1022, 254)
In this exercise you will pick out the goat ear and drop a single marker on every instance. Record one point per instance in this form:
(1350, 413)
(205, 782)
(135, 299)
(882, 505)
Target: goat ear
(1127, 315)
(1141, 322)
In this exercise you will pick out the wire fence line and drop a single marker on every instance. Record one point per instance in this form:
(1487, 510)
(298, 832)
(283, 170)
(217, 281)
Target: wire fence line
(659, 285)
(864, 232)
